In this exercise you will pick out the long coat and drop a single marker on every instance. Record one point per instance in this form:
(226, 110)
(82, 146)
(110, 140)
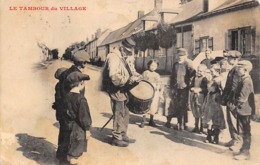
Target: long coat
(78, 120)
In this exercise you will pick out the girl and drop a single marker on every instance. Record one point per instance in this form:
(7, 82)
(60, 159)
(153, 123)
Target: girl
(154, 78)
(213, 117)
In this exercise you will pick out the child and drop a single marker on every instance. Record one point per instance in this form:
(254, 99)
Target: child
(57, 105)
(198, 92)
(77, 117)
(154, 78)
(245, 107)
(213, 116)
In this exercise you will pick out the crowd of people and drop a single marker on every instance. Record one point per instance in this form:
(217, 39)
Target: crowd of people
(219, 92)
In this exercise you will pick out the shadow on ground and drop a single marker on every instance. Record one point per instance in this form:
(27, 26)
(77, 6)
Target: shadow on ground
(37, 149)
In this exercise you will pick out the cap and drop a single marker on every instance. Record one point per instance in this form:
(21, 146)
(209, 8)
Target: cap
(233, 53)
(76, 77)
(182, 52)
(59, 72)
(216, 60)
(128, 43)
(81, 56)
(245, 64)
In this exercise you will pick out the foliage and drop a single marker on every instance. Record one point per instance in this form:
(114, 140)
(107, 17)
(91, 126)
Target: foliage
(166, 35)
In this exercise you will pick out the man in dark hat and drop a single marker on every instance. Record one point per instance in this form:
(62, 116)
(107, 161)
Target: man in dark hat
(228, 98)
(80, 60)
(116, 75)
(180, 79)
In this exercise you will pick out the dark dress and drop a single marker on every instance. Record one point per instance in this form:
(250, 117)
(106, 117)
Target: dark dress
(77, 120)
(212, 110)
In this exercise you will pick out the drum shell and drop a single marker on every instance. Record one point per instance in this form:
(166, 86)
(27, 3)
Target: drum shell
(139, 106)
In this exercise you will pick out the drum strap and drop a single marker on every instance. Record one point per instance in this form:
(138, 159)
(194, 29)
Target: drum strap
(127, 66)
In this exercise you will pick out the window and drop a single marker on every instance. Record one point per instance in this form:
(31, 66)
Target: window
(203, 43)
(242, 40)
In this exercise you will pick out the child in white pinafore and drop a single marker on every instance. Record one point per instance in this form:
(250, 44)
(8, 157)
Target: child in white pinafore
(154, 78)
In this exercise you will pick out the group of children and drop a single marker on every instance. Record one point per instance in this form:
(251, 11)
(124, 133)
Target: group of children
(205, 99)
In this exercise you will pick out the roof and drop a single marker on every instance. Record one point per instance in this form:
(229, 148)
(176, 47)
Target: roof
(188, 11)
(126, 31)
(193, 10)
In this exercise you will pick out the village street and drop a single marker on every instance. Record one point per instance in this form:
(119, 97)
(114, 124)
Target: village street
(29, 130)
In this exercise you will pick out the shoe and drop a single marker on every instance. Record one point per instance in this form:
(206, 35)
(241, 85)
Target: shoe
(242, 156)
(230, 143)
(195, 130)
(119, 143)
(128, 140)
(141, 125)
(152, 123)
(168, 125)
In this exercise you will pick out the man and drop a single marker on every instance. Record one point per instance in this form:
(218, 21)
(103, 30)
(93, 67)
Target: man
(79, 60)
(207, 60)
(116, 76)
(228, 99)
(180, 79)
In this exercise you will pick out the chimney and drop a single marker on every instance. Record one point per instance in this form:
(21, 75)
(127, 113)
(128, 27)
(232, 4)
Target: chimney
(140, 13)
(98, 32)
(158, 4)
(205, 6)
(92, 37)
(87, 40)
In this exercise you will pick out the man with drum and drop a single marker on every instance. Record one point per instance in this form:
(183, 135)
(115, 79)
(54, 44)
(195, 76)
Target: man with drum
(181, 75)
(116, 77)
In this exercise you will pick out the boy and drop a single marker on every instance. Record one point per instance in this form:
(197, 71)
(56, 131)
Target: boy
(77, 117)
(245, 107)
(198, 92)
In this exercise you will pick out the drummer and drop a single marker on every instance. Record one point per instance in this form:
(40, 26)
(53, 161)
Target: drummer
(116, 76)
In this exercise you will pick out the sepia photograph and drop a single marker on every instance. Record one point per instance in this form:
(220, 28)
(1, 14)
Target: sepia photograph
(130, 82)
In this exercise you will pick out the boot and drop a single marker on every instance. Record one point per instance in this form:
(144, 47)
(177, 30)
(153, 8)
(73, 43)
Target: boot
(209, 136)
(168, 123)
(201, 126)
(196, 129)
(151, 122)
(216, 132)
(128, 140)
(143, 122)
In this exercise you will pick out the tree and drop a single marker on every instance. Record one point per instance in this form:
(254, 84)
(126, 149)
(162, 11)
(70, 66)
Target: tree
(167, 37)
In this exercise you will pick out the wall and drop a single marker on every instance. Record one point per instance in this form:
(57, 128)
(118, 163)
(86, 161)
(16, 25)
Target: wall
(218, 26)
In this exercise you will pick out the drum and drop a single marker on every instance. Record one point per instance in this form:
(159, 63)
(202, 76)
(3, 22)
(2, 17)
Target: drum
(140, 97)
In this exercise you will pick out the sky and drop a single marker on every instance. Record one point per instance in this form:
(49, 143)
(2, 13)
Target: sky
(58, 29)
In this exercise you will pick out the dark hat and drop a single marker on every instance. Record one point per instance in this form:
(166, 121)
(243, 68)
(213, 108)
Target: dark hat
(128, 43)
(59, 72)
(76, 77)
(182, 52)
(81, 56)
(233, 53)
(245, 64)
(216, 60)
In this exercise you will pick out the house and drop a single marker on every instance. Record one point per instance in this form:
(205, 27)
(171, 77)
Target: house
(219, 25)
(97, 38)
(116, 36)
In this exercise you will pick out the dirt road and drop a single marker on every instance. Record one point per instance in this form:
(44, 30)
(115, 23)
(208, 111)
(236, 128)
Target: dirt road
(29, 130)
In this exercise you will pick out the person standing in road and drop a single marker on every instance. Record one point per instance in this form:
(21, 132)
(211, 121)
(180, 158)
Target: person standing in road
(180, 79)
(79, 60)
(245, 107)
(228, 99)
(116, 77)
